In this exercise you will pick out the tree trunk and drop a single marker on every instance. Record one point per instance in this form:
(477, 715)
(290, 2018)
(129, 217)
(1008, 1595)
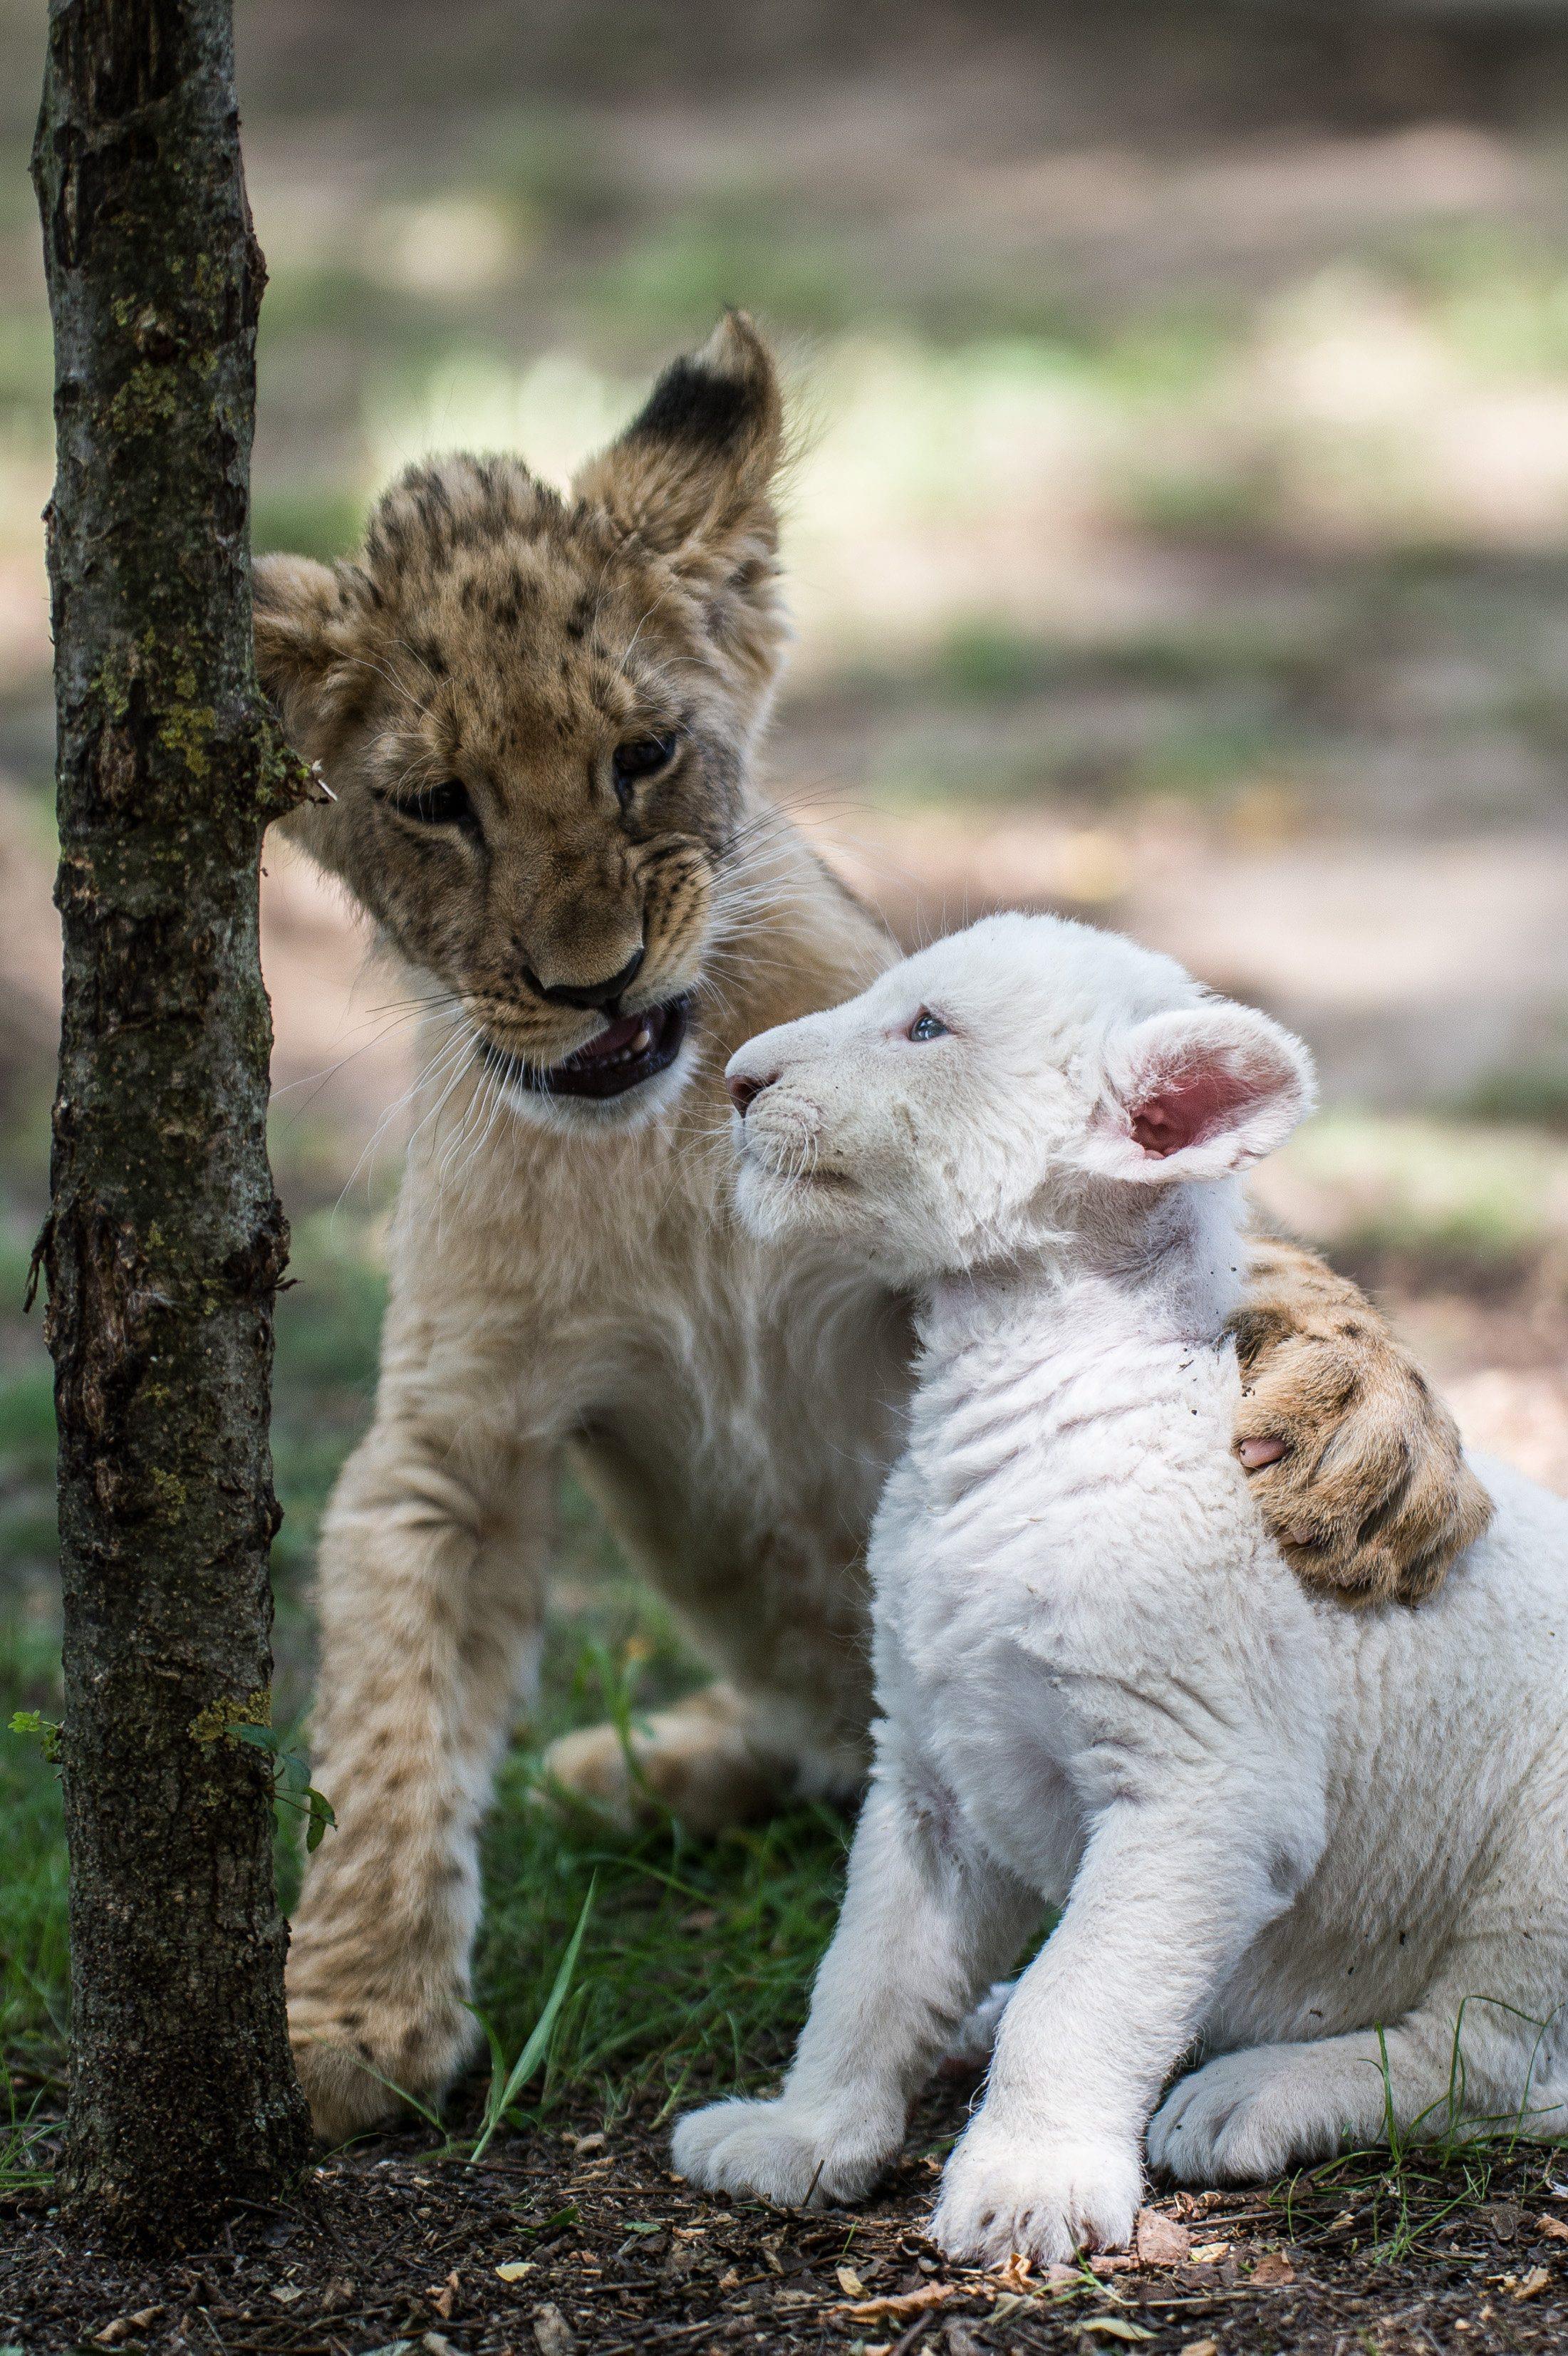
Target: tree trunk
(166, 1241)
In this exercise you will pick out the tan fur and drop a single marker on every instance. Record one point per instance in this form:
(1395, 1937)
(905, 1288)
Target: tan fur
(569, 1278)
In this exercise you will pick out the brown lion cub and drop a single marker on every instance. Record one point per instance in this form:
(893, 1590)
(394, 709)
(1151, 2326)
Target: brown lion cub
(538, 716)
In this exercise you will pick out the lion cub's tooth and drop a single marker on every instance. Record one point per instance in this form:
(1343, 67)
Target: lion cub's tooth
(643, 1041)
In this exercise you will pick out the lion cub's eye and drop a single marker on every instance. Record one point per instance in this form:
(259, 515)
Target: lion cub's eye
(642, 757)
(447, 804)
(926, 1025)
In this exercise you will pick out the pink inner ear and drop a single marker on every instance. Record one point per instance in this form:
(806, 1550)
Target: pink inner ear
(1187, 1103)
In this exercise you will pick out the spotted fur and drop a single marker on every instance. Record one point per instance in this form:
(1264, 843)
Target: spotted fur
(496, 633)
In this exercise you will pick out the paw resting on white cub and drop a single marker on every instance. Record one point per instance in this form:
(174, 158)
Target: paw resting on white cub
(1043, 2195)
(779, 2152)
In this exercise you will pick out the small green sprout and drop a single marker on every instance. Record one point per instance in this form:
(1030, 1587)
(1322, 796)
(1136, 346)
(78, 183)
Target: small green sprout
(46, 1729)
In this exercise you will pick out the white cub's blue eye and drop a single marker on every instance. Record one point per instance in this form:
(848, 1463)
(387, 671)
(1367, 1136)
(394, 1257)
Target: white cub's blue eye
(926, 1025)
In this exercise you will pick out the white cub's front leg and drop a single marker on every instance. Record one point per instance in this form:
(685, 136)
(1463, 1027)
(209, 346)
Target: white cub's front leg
(1159, 1912)
(924, 1923)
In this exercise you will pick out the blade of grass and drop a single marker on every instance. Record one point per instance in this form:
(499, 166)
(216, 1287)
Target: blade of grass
(538, 2044)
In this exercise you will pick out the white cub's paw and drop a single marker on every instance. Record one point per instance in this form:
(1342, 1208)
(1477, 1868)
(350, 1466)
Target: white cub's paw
(1042, 2196)
(791, 2156)
(1254, 2114)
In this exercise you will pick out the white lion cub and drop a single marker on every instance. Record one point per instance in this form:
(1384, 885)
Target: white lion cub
(1331, 1844)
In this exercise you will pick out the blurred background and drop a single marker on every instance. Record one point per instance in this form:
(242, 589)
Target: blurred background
(1178, 537)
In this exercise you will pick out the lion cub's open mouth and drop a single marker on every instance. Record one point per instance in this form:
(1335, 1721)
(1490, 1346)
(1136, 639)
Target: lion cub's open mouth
(624, 1054)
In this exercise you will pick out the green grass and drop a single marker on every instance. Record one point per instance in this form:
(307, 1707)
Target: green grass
(698, 1957)
(1429, 2174)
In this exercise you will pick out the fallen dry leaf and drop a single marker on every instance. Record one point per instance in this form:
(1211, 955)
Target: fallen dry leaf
(514, 2269)
(286, 2293)
(1194, 2204)
(1014, 2275)
(1110, 2265)
(1116, 2327)
(1209, 2253)
(1534, 2283)
(850, 2282)
(1273, 2271)
(1552, 2227)
(896, 2307)
(1159, 2240)
(1200, 2348)
(123, 2325)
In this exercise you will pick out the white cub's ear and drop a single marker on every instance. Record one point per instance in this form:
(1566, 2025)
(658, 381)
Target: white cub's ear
(1197, 1094)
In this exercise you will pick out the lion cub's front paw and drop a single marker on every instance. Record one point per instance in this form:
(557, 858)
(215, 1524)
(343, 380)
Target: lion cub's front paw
(778, 2153)
(1044, 2198)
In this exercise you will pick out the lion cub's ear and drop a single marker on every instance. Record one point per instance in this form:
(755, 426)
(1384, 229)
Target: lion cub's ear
(691, 475)
(310, 618)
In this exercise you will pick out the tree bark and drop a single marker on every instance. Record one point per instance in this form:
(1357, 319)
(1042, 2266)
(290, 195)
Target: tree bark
(166, 1241)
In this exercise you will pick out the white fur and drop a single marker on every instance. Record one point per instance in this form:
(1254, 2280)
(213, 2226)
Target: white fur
(1333, 1846)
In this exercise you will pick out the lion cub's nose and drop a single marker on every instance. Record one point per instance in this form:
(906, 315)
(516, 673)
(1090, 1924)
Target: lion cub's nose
(606, 995)
(744, 1091)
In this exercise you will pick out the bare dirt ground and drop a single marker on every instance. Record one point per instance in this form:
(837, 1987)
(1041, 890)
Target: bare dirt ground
(574, 2240)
